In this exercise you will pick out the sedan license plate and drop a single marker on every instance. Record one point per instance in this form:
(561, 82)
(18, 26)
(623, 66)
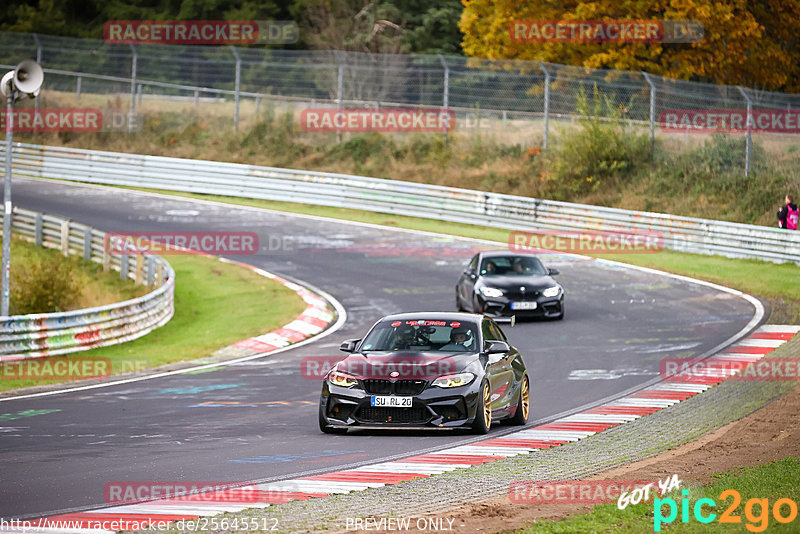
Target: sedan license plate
(392, 402)
(523, 305)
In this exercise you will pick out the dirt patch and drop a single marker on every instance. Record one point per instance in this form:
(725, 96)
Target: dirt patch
(773, 429)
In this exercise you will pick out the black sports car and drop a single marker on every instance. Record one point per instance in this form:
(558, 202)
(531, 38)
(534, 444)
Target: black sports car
(503, 284)
(427, 370)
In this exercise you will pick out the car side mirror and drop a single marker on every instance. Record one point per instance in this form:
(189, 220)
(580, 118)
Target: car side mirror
(552, 272)
(349, 345)
(495, 346)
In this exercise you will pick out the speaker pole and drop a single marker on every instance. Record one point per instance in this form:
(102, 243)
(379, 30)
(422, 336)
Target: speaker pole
(4, 301)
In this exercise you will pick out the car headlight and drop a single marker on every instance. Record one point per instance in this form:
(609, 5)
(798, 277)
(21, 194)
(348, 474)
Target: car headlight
(491, 292)
(551, 291)
(454, 381)
(338, 378)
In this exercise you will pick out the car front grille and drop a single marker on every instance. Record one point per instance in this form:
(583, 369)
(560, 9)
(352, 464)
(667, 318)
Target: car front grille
(370, 414)
(400, 387)
(519, 295)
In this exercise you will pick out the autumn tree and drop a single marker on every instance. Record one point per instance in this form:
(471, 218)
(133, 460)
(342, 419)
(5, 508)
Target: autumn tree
(745, 43)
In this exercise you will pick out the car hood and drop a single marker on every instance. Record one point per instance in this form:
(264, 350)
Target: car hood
(408, 365)
(531, 283)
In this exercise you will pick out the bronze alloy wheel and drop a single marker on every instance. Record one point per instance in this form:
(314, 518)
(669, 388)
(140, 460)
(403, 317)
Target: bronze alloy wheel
(524, 399)
(487, 406)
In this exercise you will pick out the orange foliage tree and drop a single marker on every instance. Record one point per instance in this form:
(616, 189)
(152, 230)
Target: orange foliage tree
(751, 43)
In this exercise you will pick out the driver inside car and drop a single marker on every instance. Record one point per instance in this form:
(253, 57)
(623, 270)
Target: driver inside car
(458, 340)
(404, 337)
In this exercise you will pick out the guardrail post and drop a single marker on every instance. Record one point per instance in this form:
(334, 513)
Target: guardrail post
(87, 244)
(749, 139)
(546, 105)
(123, 266)
(159, 274)
(106, 260)
(37, 230)
(236, 89)
(65, 237)
(652, 114)
(150, 270)
(139, 268)
(134, 61)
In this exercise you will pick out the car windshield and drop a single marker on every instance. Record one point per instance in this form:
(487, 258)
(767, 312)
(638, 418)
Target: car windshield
(421, 335)
(512, 266)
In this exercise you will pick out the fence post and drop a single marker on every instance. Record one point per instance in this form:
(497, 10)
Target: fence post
(749, 139)
(134, 61)
(123, 267)
(236, 89)
(39, 61)
(446, 89)
(546, 105)
(339, 92)
(159, 274)
(78, 88)
(652, 114)
(87, 244)
(37, 230)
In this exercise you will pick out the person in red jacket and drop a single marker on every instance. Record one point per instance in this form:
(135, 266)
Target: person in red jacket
(788, 214)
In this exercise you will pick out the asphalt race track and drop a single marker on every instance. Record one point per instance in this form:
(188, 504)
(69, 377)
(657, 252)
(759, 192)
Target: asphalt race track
(619, 324)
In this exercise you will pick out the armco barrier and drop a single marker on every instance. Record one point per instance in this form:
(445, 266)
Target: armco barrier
(390, 196)
(50, 334)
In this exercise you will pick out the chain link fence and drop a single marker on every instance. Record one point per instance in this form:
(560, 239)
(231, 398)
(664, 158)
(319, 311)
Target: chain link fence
(525, 101)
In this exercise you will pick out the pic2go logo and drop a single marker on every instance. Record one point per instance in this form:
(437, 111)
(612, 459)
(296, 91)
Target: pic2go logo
(758, 521)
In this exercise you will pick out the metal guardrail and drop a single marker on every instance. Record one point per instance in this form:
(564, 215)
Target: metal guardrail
(686, 234)
(51, 334)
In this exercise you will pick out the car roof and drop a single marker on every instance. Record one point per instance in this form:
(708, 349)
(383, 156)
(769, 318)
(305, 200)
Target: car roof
(497, 253)
(436, 316)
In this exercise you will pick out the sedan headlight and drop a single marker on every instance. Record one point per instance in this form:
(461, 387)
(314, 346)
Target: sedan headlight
(491, 292)
(454, 381)
(338, 378)
(551, 291)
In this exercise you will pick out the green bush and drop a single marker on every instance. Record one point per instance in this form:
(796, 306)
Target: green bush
(602, 150)
(43, 282)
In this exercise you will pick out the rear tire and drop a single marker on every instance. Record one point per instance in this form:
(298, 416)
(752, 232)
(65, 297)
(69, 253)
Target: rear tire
(524, 403)
(483, 415)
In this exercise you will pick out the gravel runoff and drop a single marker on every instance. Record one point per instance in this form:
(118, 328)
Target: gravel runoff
(620, 445)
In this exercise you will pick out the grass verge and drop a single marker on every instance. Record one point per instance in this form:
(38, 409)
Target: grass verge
(216, 304)
(774, 282)
(766, 483)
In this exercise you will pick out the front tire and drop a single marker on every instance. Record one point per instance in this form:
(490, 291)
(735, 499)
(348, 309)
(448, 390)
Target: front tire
(483, 415)
(328, 429)
(524, 403)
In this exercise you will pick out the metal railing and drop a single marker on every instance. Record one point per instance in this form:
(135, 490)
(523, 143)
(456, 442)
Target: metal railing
(51, 334)
(397, 197)
(531, 92)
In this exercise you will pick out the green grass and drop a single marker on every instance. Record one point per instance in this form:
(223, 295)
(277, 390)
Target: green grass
(216, 304)
(775, 282)
(772, 481)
